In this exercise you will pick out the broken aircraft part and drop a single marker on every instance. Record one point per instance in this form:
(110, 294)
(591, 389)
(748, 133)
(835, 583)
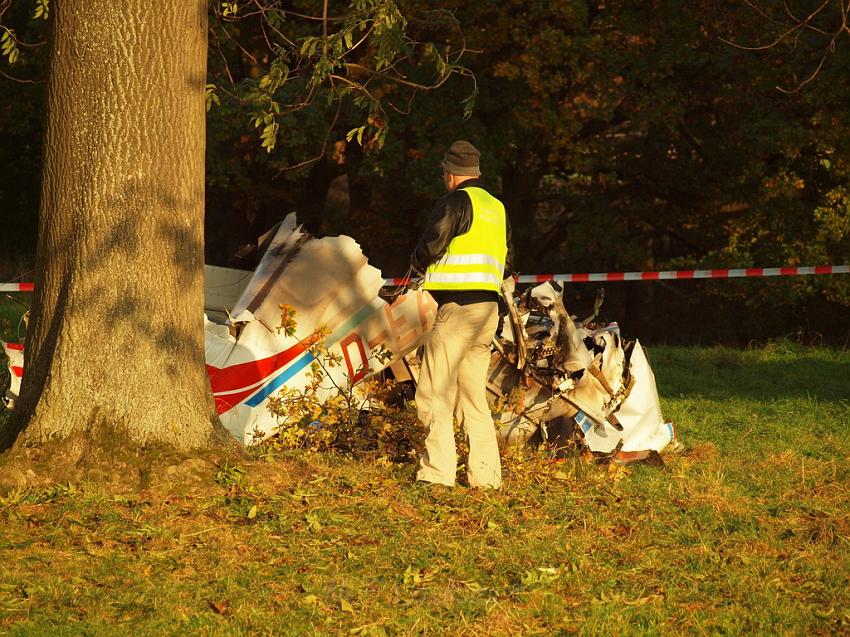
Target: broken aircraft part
(15, 358)
(574, 371)
(334, 293)
(546, 369)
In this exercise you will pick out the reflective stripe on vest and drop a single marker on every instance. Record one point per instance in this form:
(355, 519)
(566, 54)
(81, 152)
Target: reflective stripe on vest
(474, 260)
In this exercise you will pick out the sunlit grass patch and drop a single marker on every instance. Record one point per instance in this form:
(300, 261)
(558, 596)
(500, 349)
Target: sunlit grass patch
(744, 532)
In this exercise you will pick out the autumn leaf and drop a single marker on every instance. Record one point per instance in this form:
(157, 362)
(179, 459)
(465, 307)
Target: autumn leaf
(221, 607)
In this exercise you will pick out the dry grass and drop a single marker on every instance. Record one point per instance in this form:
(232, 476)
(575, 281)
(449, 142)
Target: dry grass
(747, 532)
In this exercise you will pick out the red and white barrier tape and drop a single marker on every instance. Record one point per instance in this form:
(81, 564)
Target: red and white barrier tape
(593, 277)
(16, 287)
(721, 273)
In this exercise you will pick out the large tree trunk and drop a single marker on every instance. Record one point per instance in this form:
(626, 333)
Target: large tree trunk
(116, 336)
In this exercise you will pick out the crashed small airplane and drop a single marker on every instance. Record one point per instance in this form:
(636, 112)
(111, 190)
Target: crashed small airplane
(563, 381)
(552, 378)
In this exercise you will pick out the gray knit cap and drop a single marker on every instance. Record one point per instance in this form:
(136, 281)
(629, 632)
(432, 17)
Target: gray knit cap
(462, 159)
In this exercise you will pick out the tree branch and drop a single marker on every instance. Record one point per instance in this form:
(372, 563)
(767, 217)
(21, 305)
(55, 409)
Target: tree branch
(797, 28)
(18, 79)
(321, 154)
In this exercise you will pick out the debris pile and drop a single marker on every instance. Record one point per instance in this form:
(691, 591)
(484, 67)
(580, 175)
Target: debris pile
(552, 378)
(561, 381)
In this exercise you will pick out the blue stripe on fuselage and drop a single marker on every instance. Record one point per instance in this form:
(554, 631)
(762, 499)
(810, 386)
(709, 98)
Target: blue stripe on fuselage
(302, 362)
(278, 381)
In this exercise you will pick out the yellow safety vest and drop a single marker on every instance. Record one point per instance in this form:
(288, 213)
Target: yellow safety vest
(474, 260)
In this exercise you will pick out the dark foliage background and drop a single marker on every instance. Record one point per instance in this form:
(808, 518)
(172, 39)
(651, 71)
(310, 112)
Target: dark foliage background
(621, 136)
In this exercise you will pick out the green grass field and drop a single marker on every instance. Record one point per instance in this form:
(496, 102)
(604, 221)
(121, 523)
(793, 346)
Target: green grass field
(746, 532)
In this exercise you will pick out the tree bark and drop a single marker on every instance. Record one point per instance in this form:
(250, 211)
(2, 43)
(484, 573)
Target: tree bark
(116, 338)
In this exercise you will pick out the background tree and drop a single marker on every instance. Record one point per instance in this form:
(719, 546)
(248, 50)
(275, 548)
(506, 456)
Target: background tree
(21, 100)
(623, 136)
(629, 137)
(307, 94)
(115, 341)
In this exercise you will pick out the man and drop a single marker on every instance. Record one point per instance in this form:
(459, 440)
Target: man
(462, 254)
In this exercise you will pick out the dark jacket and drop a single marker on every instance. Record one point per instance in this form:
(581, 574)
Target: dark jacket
(452, 216)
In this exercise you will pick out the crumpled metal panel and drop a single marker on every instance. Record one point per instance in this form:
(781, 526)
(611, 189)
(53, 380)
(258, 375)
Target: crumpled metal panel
(15, 362)
(334, 292)
(639, 415)
(570, 369)
(222, 289)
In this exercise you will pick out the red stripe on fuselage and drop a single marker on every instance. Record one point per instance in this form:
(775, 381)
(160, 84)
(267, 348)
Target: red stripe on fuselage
(229, 401)
(249, 373)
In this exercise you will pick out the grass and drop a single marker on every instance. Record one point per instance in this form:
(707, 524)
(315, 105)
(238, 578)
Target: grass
(12, 308)
(746, 532)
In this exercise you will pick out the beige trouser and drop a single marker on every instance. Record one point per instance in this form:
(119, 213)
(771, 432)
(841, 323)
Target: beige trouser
(453, 382)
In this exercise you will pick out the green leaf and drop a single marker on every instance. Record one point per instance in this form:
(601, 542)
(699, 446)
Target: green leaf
(309, 46)
(358, 132)
(269, 134)
(313, 522)
(252, 512)
(211, 97)
(41, 7)
(469, 103)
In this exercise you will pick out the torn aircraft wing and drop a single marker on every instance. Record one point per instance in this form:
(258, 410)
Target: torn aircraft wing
(334, 293)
